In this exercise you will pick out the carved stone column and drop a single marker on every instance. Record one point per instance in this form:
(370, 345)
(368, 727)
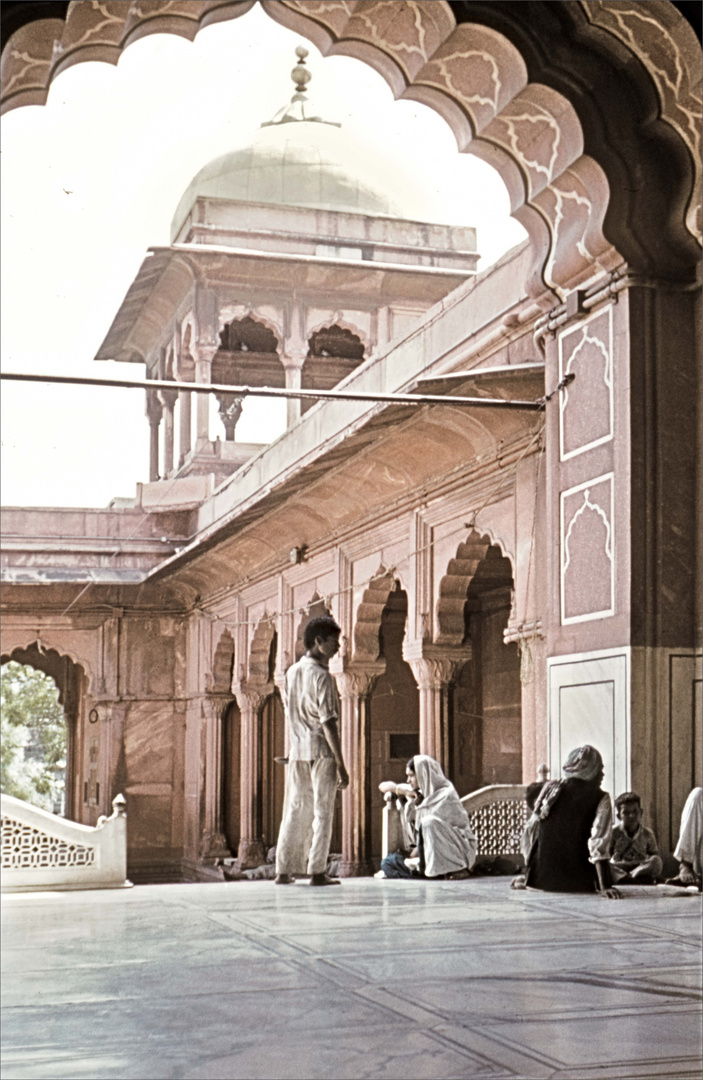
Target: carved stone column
(230, 412)
(355, 687)
(168, 399)
(186, 373)
(213, 843)
(204, 354)
(434, 669)
(184, 434)
(294, 357)
(154, 412)
(532, 647)
(252, 851)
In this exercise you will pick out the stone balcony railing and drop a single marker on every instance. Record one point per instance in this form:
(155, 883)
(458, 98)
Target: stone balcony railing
(43, 851)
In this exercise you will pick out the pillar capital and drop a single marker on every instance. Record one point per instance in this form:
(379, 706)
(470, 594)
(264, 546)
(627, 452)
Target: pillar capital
(250, 696)
(154, 407)
(434, 666)
(204, 353)
(355, 680)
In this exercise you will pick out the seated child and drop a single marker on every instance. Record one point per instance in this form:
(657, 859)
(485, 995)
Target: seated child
(634, 858)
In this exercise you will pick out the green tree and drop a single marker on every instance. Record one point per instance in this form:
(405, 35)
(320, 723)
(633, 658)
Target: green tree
(33, 749)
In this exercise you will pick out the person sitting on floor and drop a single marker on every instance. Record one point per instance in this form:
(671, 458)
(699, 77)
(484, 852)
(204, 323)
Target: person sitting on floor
(567, 840)
(436, 823)
(689, 850)
(634, 858)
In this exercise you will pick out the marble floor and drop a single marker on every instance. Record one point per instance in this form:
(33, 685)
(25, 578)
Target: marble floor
(373, 979)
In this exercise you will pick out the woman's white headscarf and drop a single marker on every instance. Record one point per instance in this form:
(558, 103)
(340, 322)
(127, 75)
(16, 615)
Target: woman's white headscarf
(448, 841)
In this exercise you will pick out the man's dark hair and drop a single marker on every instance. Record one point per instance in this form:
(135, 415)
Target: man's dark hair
(322, 626)
(628, 797)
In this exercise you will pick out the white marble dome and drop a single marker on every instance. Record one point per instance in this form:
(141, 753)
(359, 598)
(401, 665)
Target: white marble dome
(305, 163)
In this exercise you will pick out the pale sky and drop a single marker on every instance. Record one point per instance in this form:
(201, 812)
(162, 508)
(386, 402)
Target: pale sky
(91, 180)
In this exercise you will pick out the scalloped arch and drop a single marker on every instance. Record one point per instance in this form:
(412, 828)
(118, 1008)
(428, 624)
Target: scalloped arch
(260, 652)
(367, 621)
(470, 74)
(455, 583)
(343, 324)
(223, 663)
(45, 649)
(237, 310)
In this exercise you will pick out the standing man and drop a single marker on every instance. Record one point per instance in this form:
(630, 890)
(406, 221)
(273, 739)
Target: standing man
(315, 770)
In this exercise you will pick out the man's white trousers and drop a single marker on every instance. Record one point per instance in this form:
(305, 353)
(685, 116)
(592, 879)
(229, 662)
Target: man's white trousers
(308, 815)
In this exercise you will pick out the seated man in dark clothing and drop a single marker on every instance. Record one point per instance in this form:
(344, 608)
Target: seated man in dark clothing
(567, 840)
(634, 858)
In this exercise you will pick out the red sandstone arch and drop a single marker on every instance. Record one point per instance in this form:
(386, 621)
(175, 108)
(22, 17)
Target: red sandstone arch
(72, 682)
(367, 625)
(568, 142)
(262, 653)
(223, 664)
(455, 583)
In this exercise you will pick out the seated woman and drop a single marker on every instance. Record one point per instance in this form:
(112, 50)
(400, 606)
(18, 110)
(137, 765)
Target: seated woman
(567, 840)
(437, 825)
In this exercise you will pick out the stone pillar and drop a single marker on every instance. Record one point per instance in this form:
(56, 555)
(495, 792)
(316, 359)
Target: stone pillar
(184, 434)
(252, 851)
(230, 412)
(293, 382)
(355, 687)
(154, 412)
(203, 374)
(434, 669)
(213, 844)
(168, 399)
(295, 351)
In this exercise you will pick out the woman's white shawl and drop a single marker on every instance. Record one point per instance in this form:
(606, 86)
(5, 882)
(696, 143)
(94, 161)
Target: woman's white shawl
(448, 842)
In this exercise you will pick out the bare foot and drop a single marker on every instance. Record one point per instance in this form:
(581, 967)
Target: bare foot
(323, 879)
(687, 875)
(284, 879)
(457, 875)
(518, 882)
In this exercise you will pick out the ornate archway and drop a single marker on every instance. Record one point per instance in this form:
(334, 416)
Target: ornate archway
(72, 683)
(597, 137)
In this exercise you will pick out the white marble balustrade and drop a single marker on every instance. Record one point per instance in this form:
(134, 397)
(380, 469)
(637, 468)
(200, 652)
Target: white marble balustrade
(44, 851)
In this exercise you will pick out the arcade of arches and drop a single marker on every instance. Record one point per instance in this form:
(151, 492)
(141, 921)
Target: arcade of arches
(509, 582)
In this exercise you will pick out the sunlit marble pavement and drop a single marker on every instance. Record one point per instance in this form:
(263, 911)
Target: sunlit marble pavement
(371, 979)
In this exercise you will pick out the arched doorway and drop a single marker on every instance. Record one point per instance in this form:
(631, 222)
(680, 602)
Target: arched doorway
(333, 353)
(485, 717)
(34, 738)
(393, 713)
(272, 777)
(231, 774)
(70, 684)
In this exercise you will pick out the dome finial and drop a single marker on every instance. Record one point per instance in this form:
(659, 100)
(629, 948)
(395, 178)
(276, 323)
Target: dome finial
(299, 107)
(300, 74)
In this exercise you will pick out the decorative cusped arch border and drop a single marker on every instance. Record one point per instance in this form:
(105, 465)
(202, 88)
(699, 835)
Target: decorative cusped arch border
(222, 667)
(341, 321)
(260, 652)
(236, 310)
(469, 73)
(455, 582)
(49, 645)
(367, 617)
